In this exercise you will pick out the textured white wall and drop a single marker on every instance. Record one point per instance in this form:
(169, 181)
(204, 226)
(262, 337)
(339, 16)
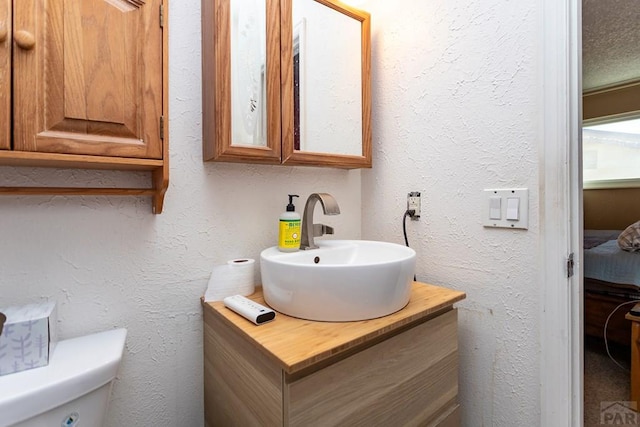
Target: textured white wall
(108, 262)
(455, 110)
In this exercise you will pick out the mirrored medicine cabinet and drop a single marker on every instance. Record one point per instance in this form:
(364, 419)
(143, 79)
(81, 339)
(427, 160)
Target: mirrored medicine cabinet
(286, 82)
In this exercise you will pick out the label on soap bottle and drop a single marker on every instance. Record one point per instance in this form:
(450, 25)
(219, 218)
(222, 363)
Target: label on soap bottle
(289, 234)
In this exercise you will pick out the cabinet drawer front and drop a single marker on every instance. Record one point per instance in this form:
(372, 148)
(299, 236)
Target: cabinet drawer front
(405, 380)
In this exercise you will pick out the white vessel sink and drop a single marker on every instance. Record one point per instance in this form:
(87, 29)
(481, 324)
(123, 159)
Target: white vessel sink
(342, 280)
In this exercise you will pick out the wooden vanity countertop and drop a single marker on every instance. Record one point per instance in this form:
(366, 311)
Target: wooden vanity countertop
(296, 344)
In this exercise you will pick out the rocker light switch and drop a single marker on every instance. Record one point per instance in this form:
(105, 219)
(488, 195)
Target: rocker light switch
(495, 208)
(513, 208)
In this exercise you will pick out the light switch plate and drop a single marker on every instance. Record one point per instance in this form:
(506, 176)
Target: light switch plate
(522, 221)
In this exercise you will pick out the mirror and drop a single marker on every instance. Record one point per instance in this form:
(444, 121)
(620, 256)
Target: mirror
(326, 84)
(241, 81)
(286, 82)
(248, 73)
(326, 80)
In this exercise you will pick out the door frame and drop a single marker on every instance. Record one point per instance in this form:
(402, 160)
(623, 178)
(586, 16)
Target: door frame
(561, 330)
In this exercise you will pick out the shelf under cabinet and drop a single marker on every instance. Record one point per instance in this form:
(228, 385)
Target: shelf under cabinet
(158, 168)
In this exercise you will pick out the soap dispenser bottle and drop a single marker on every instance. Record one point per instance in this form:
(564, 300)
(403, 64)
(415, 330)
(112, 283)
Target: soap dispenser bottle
(290, 228)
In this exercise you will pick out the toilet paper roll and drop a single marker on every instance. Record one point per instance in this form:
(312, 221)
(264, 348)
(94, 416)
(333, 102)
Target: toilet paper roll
(236, 277)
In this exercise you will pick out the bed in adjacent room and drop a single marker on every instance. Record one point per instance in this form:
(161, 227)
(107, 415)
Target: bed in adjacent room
(611, 277)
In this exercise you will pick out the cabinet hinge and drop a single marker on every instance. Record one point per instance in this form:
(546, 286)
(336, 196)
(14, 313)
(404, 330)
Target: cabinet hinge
(161, 127)
(570, 264)
(162, 16)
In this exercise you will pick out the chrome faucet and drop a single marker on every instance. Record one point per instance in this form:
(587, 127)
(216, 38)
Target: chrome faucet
(311, 230)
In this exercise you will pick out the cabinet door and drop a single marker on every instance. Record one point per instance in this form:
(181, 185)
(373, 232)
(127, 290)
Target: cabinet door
(88, 77)
(241, 81)
(326, 84)
(5, 74)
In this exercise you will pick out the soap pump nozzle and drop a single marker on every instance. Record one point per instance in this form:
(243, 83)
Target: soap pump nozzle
(290, 206)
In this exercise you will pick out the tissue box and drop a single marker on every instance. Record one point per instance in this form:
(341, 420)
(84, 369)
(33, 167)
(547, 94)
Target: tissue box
(27, 338)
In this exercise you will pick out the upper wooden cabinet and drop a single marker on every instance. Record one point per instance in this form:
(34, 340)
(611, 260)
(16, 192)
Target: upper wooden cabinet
(89, 81)
(286, 82)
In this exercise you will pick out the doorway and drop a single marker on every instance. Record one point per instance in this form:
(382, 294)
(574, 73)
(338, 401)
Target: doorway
(611, 109)
(560, 216)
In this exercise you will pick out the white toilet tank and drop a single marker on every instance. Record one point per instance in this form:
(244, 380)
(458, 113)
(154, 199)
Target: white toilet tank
(72, 390)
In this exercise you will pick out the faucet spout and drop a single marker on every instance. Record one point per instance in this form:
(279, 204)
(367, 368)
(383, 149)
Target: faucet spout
(311, 230)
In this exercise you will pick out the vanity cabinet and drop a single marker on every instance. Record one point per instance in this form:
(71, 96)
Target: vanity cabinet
(401, 369)
(83, 84)
(286, 82)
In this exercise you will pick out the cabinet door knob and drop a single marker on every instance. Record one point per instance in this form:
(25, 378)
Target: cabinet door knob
(3, 32)
(24, 39)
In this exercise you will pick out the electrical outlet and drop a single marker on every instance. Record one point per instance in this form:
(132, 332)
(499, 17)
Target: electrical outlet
(413, 203)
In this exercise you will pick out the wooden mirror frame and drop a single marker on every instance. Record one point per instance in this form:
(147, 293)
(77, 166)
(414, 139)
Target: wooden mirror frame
(290, 156)
(216, 87)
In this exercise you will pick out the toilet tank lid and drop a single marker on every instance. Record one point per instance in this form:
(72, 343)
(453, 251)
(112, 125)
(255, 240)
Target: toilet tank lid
(76, 367)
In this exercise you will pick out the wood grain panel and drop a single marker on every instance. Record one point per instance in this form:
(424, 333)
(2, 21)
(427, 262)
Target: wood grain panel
(596, 311)
(612, 101)
(160, 175)
(94, 54)
(241, 387)
(74, 84)
(26, 85)
(108, 63)
(635, 357)
(5, 74)
(76, 191)
(611, 209)
(296, 344)
(451, 417)
(74, 161)
(405, 380)
(93, 84)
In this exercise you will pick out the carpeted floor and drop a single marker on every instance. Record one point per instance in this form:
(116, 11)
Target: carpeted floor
(604, 381)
